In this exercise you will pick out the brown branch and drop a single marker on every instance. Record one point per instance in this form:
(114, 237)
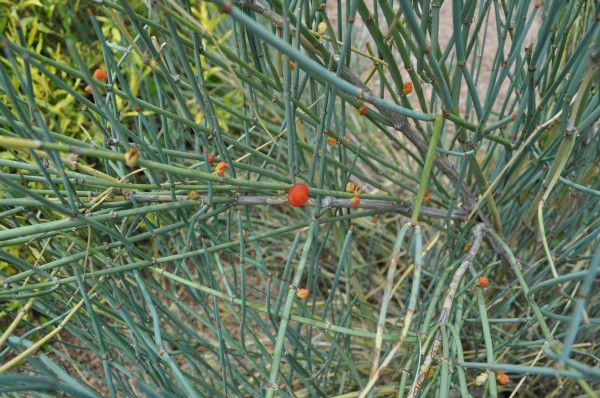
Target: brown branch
(327, 202)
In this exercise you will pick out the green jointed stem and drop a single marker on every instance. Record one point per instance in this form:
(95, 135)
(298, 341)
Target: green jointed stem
(272, 385)
(438, 125)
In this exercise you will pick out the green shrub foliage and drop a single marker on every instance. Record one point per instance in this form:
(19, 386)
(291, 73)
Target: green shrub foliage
(448, 247)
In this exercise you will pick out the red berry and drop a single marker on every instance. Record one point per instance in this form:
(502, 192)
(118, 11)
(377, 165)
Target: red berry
(221, 168)
(502, 378)
(483, 281)
(211, 158)
(99, 74)
(298, 195)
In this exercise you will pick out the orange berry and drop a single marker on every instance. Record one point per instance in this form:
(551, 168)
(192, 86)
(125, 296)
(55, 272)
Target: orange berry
(302, 293)
(292, 65)
(355, 201)
(483, 281)
(363, 110)
(88, 89)
(222, 168)
(331, 141)
(427, 197)
(298, 195)
(99, 74)
(502, 378)
(275, 120)
(211, 158)
(408, 87)
(468, 246)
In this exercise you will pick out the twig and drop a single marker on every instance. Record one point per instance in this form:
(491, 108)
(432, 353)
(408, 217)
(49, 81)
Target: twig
(327, 202)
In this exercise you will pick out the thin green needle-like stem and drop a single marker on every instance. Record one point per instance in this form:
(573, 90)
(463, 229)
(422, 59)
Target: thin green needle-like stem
(394, 260)
(272, 385)
(438, 125)
(410, 312)
(447, 307)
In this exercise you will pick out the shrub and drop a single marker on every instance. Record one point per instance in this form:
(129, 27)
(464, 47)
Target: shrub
(149, 246)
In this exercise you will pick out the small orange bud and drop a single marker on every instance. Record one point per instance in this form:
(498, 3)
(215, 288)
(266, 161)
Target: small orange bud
(427, 197)
(483, 281)
(302, 293)
(350, 187)
(292, 65)
(88, 89)
(99, 74)
(211, 158)
(502, 378)
(131, 157)
(355, 201)
(468, 246)
(298, 195)
(363, 110)
(331, 141)
(222, 168)
(275, 120)
(408, 87)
